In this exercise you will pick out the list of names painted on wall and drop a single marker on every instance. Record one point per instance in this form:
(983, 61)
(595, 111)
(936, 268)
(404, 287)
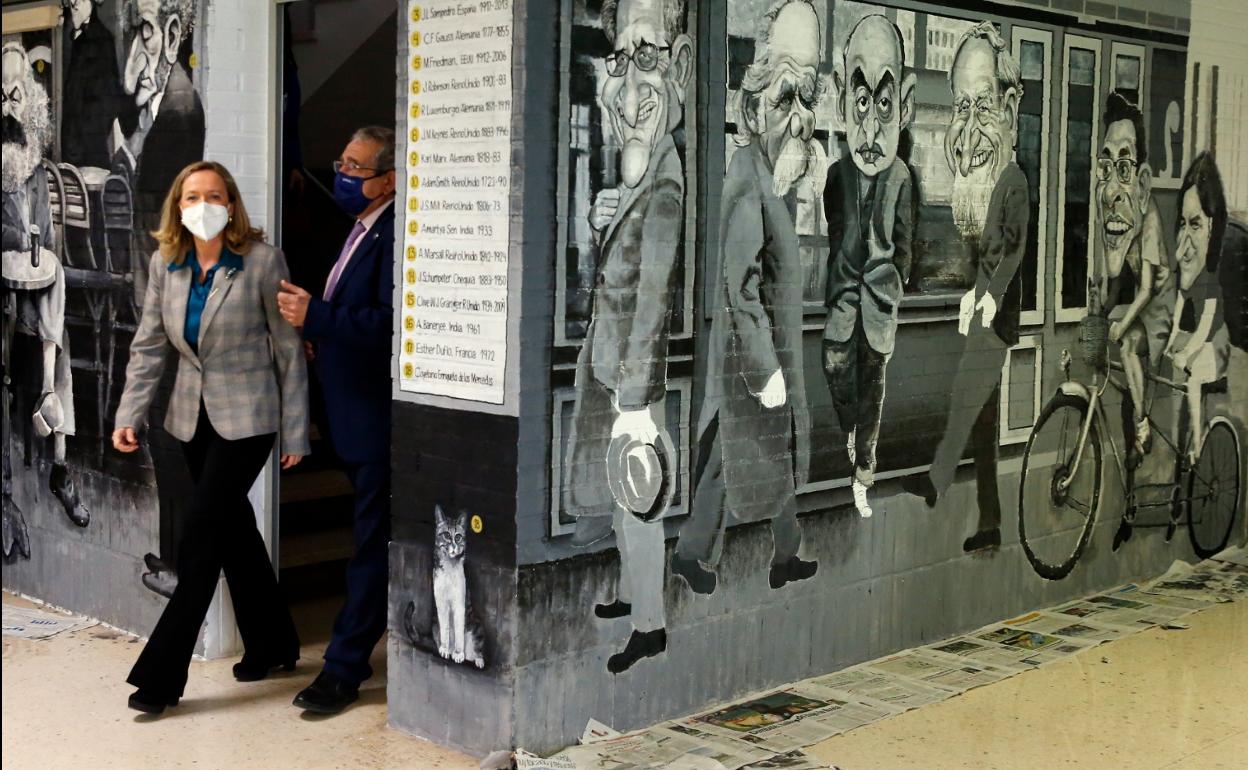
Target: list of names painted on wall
(453, 327)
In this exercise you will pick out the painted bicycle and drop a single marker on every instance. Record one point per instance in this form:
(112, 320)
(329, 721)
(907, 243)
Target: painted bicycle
(1063, 469)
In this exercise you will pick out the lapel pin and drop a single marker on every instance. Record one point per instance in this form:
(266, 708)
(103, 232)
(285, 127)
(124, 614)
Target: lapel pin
(230, 273)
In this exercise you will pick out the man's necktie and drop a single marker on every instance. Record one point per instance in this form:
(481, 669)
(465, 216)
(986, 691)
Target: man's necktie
(336, 273)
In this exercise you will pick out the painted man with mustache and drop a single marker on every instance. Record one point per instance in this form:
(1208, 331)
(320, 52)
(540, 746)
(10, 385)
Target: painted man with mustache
(869, 207)
(621, 377)
(990, 209)
(39, 304)
(1139, 272)
(754, 427)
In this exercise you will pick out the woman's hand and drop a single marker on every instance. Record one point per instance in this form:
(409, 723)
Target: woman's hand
(290, 461)
(125, 440)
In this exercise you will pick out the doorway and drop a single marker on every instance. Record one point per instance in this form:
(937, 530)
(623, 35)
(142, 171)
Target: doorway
(336, 72)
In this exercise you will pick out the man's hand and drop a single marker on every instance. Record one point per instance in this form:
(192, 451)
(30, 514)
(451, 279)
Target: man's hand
(309, 350)
(774, 393)
(604, 208)
(290, 461)
(1115, 331)
(966, 309)
(292, 302)
(988, 306)
(125, 440)
(636, 423)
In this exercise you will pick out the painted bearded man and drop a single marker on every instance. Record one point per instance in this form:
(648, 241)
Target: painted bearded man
(754, 427)
(870, 212)
(990, 209)
(621, 377)
(34, 283)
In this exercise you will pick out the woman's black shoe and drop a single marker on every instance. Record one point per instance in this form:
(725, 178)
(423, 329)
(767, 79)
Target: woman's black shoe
(250, 671)
(149, 702)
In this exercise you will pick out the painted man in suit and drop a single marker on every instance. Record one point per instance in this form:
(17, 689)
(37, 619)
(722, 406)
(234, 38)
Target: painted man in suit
(169, 134)
(621, 377)
(348, 331)
(754, 427)
(40, 305)
(94, 96)
(870, 214)
(990, 209)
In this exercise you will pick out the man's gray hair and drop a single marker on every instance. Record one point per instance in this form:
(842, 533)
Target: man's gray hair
(1009, 74)
(382, 136)
(758, 75)
(183, 9)
(673, 19)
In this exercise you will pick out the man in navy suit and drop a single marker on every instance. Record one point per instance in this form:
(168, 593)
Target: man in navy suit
(347, 331)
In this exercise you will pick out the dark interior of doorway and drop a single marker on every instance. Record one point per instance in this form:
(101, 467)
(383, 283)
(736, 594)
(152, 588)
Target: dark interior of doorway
(345, 81)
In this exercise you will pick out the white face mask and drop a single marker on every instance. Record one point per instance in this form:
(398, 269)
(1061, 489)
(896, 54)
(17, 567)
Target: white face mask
(205, 220)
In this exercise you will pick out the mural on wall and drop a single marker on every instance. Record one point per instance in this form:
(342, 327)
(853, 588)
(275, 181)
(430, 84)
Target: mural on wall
(34, 286)
(890, 177)
(118, 92)
(990, 207)
(754, 424)
(619, 455)
(456, 633)
(870, 210)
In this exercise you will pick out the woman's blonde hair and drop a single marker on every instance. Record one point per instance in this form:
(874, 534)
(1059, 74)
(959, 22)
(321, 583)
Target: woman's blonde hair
(176, 241)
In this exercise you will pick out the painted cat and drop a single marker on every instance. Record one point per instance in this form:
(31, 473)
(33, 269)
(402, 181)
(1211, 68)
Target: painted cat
(456, 628)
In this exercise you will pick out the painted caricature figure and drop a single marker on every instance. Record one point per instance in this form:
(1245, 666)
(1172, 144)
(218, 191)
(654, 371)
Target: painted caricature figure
(1138, 273)
(869, 205)
(754, 427)
(990, 209)
(621, 378)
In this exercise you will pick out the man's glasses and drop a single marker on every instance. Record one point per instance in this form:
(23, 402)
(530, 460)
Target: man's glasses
(351, 167)
(645, 57)
(1125, 168)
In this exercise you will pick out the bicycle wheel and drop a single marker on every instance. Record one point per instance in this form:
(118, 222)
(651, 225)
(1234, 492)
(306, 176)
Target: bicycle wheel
(1214, 490)
(1055, 510)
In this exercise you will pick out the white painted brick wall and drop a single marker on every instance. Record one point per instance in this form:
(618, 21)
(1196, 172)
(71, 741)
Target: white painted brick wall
(239, 86)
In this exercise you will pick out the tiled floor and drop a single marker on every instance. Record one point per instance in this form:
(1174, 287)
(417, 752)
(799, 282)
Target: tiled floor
(1159, 699)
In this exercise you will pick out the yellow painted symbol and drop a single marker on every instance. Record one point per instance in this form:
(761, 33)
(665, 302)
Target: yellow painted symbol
(408, 371)
(415, 110)
(194, 60)
(414, 181)
(411, 253)
(412, 204)
(413, 227)
(416, 62)
(415, 87)
(410, 299)
(409, 347)
(409, 324)
(415, 39)
(415, 13)
(414, 158)
(415, 134)
(411, 275)
(39, 66)
(477, 524)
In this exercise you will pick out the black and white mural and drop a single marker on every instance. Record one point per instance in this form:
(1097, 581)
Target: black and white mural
(943, 240)
(100, 112)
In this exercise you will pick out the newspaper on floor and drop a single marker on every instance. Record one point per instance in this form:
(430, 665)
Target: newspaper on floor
(596, 731)
(956, 676)
(790, 760)
(862, 682)
(795, 718)
(1220, 581)
(1085, 629)
(658, 747)
(31, 623)
(1234, 555)
(1011, 648)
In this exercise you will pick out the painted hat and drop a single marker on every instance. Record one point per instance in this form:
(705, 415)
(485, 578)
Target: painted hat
(641, 475)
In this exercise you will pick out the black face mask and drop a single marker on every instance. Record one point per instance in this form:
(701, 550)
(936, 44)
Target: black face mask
(13, 131)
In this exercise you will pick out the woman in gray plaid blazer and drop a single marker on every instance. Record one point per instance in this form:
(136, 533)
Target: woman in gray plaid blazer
(241, 384)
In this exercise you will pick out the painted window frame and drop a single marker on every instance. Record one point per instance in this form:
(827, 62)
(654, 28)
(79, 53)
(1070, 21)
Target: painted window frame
(565, 395)
(1062, 312)
(1130, 51)
(1019, 35)
(1006, 434)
